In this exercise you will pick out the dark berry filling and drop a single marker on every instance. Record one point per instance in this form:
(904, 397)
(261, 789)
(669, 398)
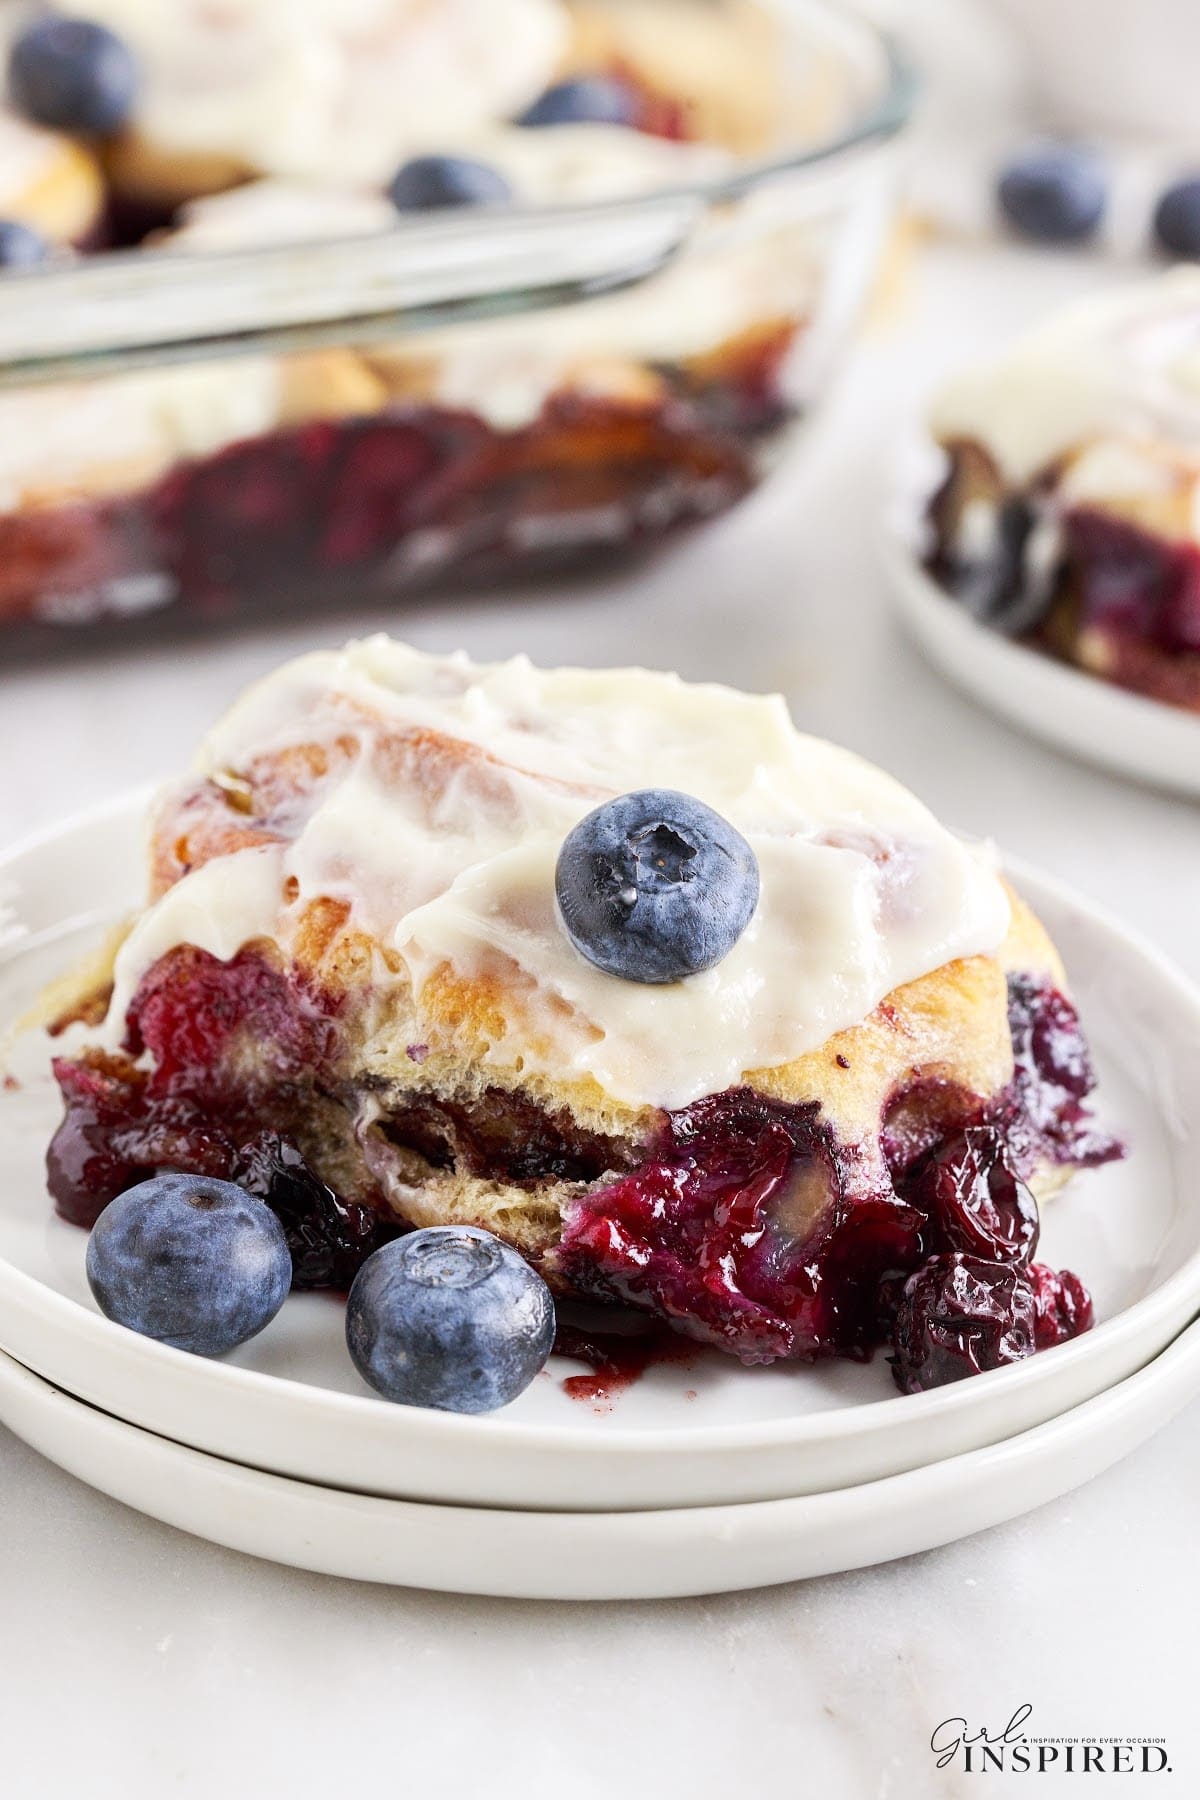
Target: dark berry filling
(959, 1315)
(1111, 593)
(972, 1200)
(753, 1229)
(618, 1357)
(1062, 1306)
(748, 1228)
(329, 1238)
(1133, 585)
(397, 502)
(745, 1221)
(1136, 598)
(234, 1052)
(242, 1073)
(503, 1137)
(109, 1139)
(1044, 1115)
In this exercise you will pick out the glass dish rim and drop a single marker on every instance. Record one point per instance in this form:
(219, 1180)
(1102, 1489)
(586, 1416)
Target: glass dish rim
(108, 313)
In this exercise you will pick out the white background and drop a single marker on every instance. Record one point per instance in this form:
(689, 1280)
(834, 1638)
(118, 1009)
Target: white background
(140, 1663)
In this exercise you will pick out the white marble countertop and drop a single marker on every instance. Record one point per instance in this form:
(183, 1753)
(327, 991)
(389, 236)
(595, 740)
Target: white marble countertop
(138, 1662)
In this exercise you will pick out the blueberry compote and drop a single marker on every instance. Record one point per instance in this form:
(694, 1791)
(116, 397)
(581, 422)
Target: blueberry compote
(753, 1228)
(959, 1315)
(311, 515)
(236, 1058)
(750, 1229)
(329, 1238)
(971, 1199)
(1103, 590)
(746, 1223)
(618, 1357)
(1138, 594)
(1043, 1115)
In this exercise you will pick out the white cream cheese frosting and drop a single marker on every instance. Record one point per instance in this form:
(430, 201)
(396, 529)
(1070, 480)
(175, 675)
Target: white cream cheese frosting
(1123, 365)
(279, 210)
(861, 889)
(504, 369)
(332, 89)
(125, 430)
(568, 164)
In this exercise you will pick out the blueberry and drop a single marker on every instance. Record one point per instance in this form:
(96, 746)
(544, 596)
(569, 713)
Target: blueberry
(588, 100)
(73, 75)
(655, 886)
(1054, 193)
(959, 1315)
(21, 247)
(451, 1318)
(191, 1261)
(1177, 218)
(974, 1202)
(431, 182)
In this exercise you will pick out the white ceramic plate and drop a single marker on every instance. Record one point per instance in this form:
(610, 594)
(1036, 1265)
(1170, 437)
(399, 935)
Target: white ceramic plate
(1074, 711)
(708, 1434)
(598, 1555)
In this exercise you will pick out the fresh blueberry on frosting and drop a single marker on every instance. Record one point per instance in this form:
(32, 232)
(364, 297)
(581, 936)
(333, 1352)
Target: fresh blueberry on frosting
(20, 246)
(449, 1317)
(587, 100)
(655, 886)
(429, 183)
(73, 75)
(1053, 193)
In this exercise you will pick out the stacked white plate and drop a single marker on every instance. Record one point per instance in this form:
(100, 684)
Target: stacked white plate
(703, 1476)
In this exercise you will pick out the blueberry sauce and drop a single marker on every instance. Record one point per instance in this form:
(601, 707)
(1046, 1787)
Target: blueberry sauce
(1139, 595)
(1062, 1306)
(747, 1228)
(972, 1200)
(1127, 595)
(618, 1359)
(329, 1237)
(314, 514)
(960, 1315)
(1044, 1115)
(746, 1224)
(751, 1228)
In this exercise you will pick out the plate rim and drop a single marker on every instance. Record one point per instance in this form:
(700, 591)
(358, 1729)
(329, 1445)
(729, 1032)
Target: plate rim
(729, 1529)
(511, 1436)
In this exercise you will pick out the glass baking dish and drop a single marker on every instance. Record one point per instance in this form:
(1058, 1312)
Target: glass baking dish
(227, 435)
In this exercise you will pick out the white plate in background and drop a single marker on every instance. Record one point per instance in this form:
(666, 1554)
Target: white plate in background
(712, 1433)
(1065, 706)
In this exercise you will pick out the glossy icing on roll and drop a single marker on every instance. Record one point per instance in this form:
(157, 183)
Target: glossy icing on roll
(441, 825)
(1121, 365)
